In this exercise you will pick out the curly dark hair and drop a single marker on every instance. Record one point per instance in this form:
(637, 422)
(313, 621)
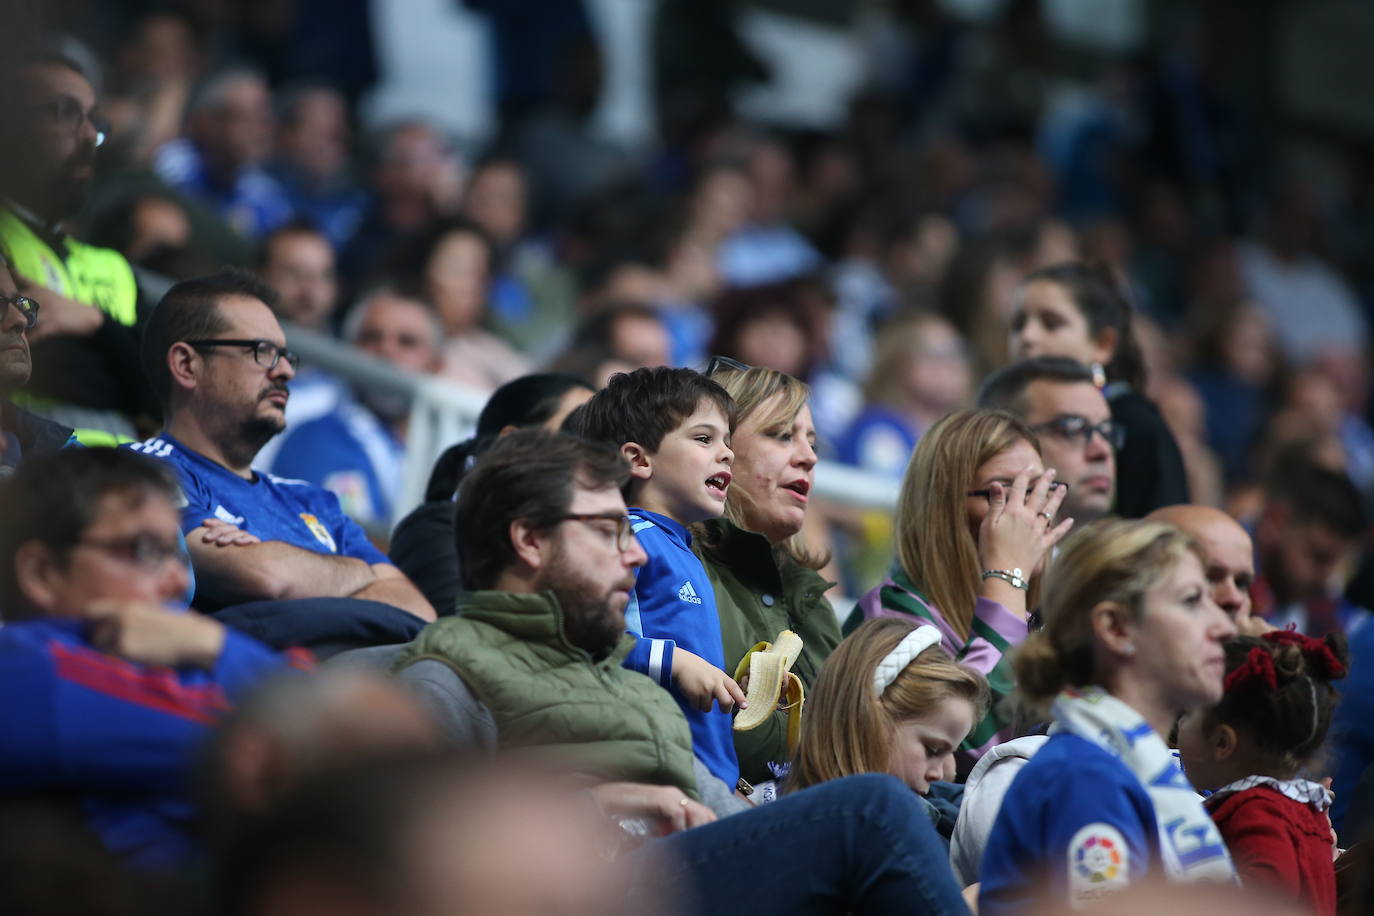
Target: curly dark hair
(1279, 693)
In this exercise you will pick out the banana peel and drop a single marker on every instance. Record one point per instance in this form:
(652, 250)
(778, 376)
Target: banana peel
(771, 681)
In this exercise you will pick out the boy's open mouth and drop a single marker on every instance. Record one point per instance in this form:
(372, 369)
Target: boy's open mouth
(719, 482)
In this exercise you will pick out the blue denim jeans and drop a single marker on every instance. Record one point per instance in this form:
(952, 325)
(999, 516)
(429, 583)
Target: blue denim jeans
(859, 845)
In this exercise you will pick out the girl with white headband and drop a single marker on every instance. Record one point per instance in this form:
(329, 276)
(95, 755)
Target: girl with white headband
(889, 700)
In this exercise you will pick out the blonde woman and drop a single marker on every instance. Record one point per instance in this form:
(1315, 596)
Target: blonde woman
(765, 579)
(976, 520)
(1131, 639)
(890, 700)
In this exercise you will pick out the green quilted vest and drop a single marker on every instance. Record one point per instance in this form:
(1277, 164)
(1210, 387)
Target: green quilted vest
(549, 697)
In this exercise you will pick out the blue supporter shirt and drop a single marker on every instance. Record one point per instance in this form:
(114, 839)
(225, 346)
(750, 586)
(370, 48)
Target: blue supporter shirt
(674, 605)
(350, 453)
(273, 508)
(120, 736)
(1075, 824)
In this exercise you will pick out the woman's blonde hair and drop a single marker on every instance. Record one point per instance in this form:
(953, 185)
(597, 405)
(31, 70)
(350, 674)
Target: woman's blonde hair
(849, 729)
(1111, 560)
(752, 390)
(935, 548)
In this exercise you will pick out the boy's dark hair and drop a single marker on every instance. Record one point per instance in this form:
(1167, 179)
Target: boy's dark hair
(526, 401)
(1317, 494)
(645, 405)
(1006, 388)
(1287, 722)
(191, 311)
(53, 499)
(528, 475)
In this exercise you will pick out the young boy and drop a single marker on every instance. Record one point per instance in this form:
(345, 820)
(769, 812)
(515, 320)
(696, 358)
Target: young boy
(673, 427)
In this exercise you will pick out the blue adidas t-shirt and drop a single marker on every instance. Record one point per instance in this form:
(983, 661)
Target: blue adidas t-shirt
(673, 605)
(1075, 824)
(273, 508)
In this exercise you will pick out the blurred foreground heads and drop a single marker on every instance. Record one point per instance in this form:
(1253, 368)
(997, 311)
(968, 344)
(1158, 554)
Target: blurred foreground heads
(427, 836)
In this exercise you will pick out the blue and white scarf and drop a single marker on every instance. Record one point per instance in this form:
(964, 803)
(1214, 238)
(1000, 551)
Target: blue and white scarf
(1190, 844)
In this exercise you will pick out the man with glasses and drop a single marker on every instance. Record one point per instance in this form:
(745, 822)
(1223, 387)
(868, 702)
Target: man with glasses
(107, 686)
(21, 433)
(532, 665)
(218, 361)
(86, 351)
(1078, 438)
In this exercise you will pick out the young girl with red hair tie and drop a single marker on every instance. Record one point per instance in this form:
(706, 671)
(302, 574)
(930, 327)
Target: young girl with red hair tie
(1250, 750)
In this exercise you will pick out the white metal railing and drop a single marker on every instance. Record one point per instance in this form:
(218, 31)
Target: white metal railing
(442, 413)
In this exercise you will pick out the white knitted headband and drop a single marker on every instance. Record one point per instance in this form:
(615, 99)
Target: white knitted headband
(912, 645)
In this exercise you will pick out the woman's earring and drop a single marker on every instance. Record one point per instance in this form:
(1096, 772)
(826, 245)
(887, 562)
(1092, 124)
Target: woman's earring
(1099, 375)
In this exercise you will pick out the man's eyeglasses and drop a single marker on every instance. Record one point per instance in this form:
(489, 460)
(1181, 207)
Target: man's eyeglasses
(26, 306)
(1030, 485)
(1072, 427)
(624, 534)
(144, 550)
(67, 114)
(265, 353)
(721, 363)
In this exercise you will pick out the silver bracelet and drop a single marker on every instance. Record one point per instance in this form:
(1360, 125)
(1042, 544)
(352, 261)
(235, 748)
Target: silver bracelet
(1014, 577)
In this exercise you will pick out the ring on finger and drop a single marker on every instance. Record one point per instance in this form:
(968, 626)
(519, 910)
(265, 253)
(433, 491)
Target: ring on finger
(1046, 516)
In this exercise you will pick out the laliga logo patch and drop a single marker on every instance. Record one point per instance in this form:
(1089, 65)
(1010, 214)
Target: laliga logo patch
(1098, 861)
(320, 531)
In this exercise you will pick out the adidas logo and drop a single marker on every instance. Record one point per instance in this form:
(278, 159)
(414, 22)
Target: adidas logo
(688, 594)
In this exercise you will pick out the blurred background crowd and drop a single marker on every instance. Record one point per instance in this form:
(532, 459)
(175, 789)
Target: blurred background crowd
(845, 191)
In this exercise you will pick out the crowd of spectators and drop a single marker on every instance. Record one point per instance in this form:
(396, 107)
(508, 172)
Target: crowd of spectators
(1116, 377)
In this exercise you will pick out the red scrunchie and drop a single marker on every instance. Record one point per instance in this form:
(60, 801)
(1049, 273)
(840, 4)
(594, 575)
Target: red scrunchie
(1258, 666)
(1318, 654)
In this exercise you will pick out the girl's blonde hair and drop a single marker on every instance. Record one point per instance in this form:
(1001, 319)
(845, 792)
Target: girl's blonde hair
(848, 729)
(935, 548)
(1111, 560)
(752, 390)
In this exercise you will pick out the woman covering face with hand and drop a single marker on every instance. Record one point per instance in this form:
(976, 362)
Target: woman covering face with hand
(764, 578)
(975, 523)
(1131, 639)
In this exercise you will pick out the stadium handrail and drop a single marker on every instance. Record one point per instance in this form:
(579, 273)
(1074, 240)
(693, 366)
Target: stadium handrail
(442, 413)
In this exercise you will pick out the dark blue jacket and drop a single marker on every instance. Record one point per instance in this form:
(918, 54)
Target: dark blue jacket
(119, 736)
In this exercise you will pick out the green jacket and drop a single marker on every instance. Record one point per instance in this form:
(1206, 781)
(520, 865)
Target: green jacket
(759, 593)
(548, 696)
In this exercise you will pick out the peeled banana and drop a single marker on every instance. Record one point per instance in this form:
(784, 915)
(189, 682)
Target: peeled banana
(768, 666)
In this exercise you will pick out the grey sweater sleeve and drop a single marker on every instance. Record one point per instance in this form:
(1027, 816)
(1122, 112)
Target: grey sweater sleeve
(715, 794)
(466, 723)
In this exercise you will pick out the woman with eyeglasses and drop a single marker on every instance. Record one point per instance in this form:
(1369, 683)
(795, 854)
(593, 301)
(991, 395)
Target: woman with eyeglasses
(976, 520)
(765, 578)
(1075, 310)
